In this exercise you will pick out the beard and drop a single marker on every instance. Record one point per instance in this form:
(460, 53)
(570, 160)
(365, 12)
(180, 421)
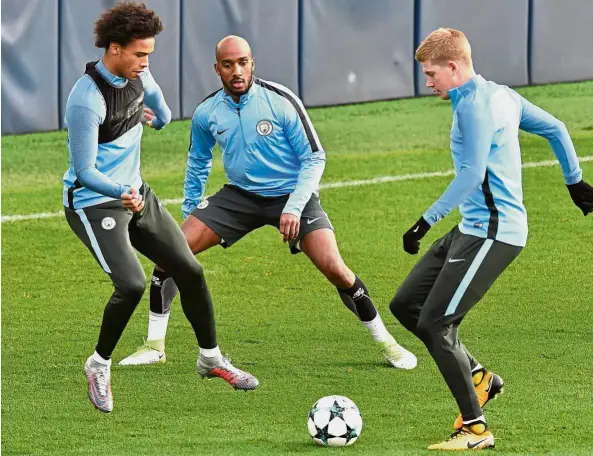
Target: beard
(238, 92)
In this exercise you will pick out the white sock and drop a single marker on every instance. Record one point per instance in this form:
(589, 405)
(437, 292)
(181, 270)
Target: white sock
(477, 368)
(480, 418)
(211, 352)
(157, 325)
(100, 360)
(378, 329)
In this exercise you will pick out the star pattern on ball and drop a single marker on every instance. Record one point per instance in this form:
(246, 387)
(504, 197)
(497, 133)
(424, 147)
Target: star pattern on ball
(323, 434)
(351, 433)
(336, 410)
(334, 421)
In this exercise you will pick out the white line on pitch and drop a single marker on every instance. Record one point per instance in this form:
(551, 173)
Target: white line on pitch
(352, 183)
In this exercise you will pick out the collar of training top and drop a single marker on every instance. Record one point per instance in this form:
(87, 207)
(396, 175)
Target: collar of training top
(465, 89)
(115, 81)
(245, 97)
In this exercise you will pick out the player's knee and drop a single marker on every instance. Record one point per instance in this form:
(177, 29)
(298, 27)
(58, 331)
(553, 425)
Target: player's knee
(196, 268)
(132, 288)
(338, 273)
(430, 331)
(191, 272)
(424, 330)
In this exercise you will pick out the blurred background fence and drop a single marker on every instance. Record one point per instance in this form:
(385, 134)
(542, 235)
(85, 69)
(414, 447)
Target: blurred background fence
(327, 51)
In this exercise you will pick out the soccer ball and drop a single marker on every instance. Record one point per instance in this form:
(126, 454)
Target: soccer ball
(334, 421)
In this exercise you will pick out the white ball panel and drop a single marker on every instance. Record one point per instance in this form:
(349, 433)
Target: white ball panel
(325, 402)
(312, 428)
(337, 427)
(352, 418)
(344, 402)
(321, 418)
(336, 441)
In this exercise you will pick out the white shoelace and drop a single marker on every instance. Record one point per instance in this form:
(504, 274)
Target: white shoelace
(226, 363)
(103, 375)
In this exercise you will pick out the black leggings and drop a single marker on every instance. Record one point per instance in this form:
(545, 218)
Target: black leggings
(111, 232)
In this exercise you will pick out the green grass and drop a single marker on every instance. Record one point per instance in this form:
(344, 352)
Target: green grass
(278, 318)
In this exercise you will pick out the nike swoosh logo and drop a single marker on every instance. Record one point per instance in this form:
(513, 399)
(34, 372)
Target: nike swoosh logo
(161, 355)
(416, 230)
(96, 397)
(309, 221)
(220, 132)
(473, 445)
(456, 260)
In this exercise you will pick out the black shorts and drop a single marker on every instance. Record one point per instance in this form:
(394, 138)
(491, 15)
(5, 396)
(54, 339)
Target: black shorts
(233, 212)
(452, 276)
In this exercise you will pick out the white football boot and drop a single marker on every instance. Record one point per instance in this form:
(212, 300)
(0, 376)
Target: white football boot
(99, 378)
(152, 352)
(397, 355)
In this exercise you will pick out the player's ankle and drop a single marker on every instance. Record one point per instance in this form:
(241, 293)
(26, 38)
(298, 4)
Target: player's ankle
(211, 352)
(157, 344)
(478, 375)
(477, 426)
(378, 330)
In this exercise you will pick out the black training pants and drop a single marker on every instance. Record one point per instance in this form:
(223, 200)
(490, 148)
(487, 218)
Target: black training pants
(438, 292)
(111, 232)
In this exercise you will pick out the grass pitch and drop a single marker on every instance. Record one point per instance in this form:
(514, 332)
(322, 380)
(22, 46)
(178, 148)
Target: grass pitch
(279, 318)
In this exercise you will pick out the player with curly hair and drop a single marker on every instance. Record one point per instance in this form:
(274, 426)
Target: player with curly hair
(112, 210)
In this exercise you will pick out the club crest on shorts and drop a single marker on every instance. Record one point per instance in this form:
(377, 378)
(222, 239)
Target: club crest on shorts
(108, 223)
(203, 204)
(264, 127)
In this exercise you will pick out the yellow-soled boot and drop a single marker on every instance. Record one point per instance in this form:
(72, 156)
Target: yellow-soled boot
(488, 386)
(475, 436)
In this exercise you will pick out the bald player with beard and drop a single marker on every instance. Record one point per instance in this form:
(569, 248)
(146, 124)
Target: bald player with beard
(273, 160)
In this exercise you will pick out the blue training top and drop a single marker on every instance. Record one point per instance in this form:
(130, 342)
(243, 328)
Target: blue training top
(487, 157)
(269, 145)
(105, 171)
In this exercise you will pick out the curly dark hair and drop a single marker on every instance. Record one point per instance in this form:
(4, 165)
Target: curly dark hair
(125, 22)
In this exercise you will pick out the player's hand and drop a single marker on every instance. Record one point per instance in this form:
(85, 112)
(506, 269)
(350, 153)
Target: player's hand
(289, 227)
(133, 200)
(148, 117)
(413, 235)
(582, 195)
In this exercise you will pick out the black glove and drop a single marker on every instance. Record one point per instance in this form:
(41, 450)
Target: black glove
(413, 236)
(582, 196)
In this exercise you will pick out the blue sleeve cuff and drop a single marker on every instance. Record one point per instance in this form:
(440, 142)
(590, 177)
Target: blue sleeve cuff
(574, 178)
(157, 123)
(430, 219)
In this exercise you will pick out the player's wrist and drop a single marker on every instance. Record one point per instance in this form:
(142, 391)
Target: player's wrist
(291, 212)
(574, 185)
(422, 226)
(581, 194)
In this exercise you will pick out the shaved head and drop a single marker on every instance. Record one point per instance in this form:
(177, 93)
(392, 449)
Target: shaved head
(231, 47)
(235, 65)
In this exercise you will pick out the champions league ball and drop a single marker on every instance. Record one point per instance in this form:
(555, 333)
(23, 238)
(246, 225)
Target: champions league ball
(334, 421)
